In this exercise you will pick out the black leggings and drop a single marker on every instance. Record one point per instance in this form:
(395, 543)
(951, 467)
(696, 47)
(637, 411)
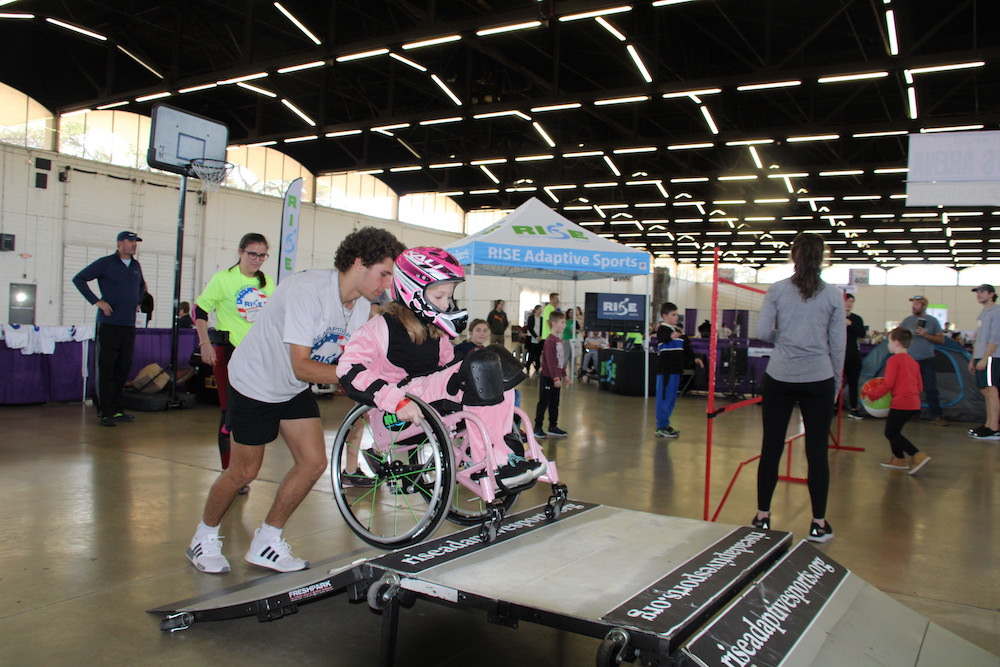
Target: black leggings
(534, 356)
(894, 424)
(814, 399)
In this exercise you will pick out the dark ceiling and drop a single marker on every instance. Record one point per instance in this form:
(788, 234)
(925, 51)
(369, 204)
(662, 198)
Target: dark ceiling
(671, 198)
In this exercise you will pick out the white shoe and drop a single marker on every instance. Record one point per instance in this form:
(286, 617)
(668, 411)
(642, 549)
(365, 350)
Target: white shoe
(276, 555)
(206, 554)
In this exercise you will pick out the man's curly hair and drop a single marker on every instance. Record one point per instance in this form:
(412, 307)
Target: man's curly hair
(371, 244)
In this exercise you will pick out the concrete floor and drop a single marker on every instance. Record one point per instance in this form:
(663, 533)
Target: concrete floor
(96, 521)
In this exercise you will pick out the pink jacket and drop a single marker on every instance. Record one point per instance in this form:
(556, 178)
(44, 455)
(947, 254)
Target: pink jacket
(368, 370)
(372, 379)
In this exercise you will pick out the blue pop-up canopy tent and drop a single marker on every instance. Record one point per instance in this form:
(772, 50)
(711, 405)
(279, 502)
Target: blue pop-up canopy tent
(536, 242)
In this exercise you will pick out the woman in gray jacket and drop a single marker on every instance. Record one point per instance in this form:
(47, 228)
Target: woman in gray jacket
(804, 318)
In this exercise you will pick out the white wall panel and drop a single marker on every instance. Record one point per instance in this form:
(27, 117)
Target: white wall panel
(71, 223)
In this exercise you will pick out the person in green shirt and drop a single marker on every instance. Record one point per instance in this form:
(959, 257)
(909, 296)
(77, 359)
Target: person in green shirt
(236, 295)
(552, 305)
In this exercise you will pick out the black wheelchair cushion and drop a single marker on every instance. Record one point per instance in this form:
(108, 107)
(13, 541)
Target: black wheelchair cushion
(513, 370)
(481, 378)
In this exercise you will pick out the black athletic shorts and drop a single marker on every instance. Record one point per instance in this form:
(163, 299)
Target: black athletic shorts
(253, 422)
(990, 377)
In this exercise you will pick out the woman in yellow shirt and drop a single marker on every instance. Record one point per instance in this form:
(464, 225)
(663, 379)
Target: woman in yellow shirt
(236, 294)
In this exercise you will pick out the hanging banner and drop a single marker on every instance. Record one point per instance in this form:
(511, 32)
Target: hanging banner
(289, 237)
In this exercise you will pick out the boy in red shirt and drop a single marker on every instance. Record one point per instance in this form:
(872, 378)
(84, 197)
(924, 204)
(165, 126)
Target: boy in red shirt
(902, 378)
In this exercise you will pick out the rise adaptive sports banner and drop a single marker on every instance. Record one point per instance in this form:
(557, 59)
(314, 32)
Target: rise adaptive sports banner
(289, 243)
(954, 169)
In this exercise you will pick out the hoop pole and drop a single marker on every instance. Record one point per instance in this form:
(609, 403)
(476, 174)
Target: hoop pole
(178, 262)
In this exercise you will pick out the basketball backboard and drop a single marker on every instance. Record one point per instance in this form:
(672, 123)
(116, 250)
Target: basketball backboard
(176, 137)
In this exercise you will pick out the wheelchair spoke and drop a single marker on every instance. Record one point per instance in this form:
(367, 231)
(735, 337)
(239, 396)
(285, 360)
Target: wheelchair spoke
(408, 493)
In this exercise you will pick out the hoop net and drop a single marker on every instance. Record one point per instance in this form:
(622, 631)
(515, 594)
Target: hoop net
(210, 172)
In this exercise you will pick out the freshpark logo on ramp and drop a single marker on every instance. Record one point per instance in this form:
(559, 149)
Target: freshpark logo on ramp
(555, 231)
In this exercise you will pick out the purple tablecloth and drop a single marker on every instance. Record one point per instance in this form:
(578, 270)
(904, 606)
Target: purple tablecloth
(38, 378)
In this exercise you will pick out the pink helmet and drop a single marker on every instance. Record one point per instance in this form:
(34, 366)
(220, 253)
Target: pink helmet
(417, 269)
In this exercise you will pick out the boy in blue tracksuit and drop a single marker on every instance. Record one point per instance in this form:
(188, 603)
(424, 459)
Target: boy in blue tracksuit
(673, 354)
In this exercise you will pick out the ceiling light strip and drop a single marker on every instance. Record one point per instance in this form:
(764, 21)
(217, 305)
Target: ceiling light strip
(527, 25)
(594, 14)
(298, 24)
(76, 29)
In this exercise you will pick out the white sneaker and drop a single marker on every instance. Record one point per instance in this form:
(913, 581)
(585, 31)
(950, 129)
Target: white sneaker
(276, 555)
(206, 554)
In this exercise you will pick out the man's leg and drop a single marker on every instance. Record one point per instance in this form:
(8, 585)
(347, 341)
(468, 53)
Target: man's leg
(991, 396)
(852, 370)
(123, 363)
(304, 437)
(205, 550)
(107, 354)
(928, 375)
(305, 441)
(244, 464)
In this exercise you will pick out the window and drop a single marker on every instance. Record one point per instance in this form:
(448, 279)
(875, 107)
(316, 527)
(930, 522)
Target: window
(23, 121)
(432, 210)
(361, 193)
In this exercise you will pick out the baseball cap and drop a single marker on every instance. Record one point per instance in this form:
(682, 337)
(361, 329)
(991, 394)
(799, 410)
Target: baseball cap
(984, 288)
(128, 236)
(919, 298)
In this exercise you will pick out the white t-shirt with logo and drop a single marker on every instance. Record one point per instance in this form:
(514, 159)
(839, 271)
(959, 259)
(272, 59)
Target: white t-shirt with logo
(304, 310)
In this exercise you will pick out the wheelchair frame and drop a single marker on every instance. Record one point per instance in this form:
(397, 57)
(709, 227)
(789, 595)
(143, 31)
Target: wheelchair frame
(423, 474)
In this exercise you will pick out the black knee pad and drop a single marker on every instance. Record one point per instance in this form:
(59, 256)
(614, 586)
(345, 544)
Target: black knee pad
(481, 378)
(513, 370)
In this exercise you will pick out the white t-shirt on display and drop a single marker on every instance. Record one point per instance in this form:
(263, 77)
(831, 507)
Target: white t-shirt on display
(304, 310)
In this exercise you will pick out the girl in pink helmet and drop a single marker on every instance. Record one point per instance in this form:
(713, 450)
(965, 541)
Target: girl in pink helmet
(407, 350)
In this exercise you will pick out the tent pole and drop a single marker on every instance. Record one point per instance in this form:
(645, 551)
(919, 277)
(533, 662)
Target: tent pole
(645, 361)
(572, 340)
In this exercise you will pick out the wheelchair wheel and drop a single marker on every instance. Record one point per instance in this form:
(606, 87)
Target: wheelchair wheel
(468, 509)
(407, 496)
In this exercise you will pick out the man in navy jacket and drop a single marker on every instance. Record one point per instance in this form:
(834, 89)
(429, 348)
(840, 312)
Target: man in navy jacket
(120, 280)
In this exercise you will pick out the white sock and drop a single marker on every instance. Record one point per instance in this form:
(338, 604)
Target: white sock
(821, 522)
(268, 533)
(206, 531)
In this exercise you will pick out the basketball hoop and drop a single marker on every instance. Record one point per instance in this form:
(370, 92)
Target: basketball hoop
(210, 172)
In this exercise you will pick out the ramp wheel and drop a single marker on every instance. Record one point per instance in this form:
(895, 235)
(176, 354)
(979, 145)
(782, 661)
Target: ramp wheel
(175, 622)
(383, 591)
(613, 650)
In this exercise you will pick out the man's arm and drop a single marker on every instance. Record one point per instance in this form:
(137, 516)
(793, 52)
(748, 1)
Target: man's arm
(310, 370)
(857, 326)
(937, 338)
(92, 272)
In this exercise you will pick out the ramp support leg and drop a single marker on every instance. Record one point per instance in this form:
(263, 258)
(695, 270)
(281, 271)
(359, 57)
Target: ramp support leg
(390, 626)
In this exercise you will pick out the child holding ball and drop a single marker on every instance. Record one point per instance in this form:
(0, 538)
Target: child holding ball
(902, 379)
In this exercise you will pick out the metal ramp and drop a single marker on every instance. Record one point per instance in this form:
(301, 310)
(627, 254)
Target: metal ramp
(655, 589)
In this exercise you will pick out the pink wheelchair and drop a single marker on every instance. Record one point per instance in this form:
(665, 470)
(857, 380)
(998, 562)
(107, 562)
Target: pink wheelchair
(419, 475)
